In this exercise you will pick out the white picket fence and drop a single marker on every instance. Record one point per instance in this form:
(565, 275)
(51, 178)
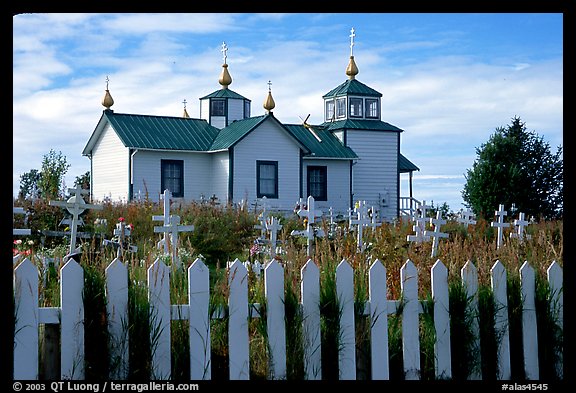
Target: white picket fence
(70, 316)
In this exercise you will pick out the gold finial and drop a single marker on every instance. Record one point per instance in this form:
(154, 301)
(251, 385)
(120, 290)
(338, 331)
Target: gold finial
(107, 101)
(269, 103)
(352, 69)
(185, 115)
(225, 78)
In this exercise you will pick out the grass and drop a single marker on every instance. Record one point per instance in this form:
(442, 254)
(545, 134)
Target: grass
(222, 234)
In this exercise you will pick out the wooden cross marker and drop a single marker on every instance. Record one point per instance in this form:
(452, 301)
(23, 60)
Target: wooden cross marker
(310, 215)
(500, 224)
(15, 231)
(419, 226)
(165, 218)
(521, 223)
(466, 217)
(75, 206)
(173, 228)
(273, 226)
(262, 217)
(373, 219)
(436, 234)
(361, 220)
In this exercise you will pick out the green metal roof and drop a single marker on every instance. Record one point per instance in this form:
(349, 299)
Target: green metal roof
(162, 132)
(405, 165)
(352, 87)
(330, 147)
(377, 125)
(235, 131)
(224, 93)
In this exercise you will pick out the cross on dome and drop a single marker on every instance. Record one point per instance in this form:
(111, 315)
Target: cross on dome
(224, 51)
(352, 35)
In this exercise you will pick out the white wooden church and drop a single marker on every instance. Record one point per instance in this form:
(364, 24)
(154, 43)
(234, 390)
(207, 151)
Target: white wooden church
(353, 155)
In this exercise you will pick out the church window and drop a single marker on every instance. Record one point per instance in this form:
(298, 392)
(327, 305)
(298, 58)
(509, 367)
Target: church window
(371, 108)
(246, 109)
(329, 110)
(318, 183)
(218, 108)
(267, 179)
(355, 107)
(341, 107)
(172, 177)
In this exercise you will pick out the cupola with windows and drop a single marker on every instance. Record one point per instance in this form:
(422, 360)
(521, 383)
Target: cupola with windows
(352, 100)
(224, 106)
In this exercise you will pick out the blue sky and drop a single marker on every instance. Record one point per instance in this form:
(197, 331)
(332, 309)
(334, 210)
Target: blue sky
(448, 80)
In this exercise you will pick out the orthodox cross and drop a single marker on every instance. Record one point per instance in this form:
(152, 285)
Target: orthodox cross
(352, 35)
(262, 217)
(273, 226)
(75, 206)
(500, 224)
(361, 220)
(373, 217)
(173, 228)
(269, 85)
(19, 210)
(184, 102)
(224, 51)
(309, 215)
(466, 217)
(165, 218)
(521, 223)
(107, 80)
(436, 234)
(419, 225)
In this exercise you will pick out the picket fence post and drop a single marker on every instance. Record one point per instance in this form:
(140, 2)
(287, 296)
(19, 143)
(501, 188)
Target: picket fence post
(443, 361)
(555, 277)
(469, 276)
(117, 310)
(160, 317)
(72, 321)
(276, 326)
(377, 288)
(410, 320)
(310, 291)
(347, 339)
(25, 283)
(199, 317)
(238, 344)
(529, 325)
(499, 288)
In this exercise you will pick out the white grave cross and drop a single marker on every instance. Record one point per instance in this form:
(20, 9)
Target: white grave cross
(15, 231)
(373, 219)
(419, 226)
(361, 220)
(262, 217)
(521, 223)
(76, 206)
(310, 215)
(436, 234)
(173, 228)
(466, 217)
(500, 224)
(165, 218)
(273, 226)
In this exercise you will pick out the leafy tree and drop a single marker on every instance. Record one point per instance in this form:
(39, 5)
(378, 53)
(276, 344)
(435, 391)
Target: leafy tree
(29, 182)
(83, 181)
(516, 166)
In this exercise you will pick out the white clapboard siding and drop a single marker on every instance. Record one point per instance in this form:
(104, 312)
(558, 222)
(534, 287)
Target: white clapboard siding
(310, 291)
(347, 337)
(338, 184)
(499, 288)
(529, 325)
(442, 348)
(219, 174)
(235, 109)
(110, 161)
(276, 327)
(199, 317)
(377, 287)
(410, 320)
(469, 275)
(26, 327)
(160, 338)
(72, 320)
(238, 344)
(117, 310)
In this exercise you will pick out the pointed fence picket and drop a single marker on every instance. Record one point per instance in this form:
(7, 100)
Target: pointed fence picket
(70, 316)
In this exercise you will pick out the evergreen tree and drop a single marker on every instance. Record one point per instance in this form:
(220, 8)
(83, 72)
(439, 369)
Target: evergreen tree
(516, 166)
